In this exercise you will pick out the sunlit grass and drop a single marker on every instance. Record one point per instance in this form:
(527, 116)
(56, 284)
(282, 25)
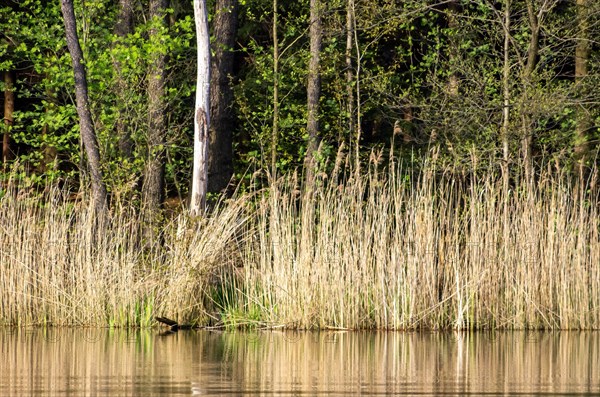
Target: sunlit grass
(61, 266)
(389, 250)
(439, 252)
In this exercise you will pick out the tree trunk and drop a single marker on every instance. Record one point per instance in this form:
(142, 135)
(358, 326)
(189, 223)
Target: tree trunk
(220, 155)
(349, 71)
(505, 127)
(124, 24)
(453, 51)
(506, 93)
(202, 111)
(154, 171)
(357, 82)
(123, 27)
(526, 120)
(88, 135)
(314, 82)
(582, 56)
(275, 129)
(9, 108)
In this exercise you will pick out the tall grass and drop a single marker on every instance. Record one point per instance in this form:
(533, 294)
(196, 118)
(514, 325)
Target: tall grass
(389, 250)
(60, 265)
(441, 251)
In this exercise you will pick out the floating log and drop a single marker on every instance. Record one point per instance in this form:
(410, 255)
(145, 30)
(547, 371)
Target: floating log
(174, 325)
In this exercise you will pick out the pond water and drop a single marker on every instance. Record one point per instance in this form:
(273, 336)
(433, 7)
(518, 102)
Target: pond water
(96, 362)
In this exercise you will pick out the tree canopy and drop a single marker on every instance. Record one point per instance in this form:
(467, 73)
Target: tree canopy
(511, 82)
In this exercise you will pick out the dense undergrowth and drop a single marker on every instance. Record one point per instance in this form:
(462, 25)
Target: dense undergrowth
(388, 250)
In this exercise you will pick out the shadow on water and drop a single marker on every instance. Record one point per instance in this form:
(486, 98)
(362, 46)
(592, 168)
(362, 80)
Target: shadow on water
(65, 362)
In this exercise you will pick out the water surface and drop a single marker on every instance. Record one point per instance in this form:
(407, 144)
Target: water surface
(92, 362)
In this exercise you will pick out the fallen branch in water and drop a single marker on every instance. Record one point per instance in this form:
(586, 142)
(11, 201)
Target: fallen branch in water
(174, 325)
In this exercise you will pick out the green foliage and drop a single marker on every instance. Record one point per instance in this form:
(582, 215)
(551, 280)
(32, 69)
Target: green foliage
(255, 138)
(46, 133)
(404, 62)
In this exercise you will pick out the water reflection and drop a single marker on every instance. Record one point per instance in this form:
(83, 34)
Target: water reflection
(92, 362)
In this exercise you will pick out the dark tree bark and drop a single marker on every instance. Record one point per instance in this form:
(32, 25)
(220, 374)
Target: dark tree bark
(154, 172)
(123, 27)
(9, 108)
(314, 80)
(124, 23)
(532, 56)
(506, 93)
(275, 128)
(220, 156)
(88, 134)
(349, 72)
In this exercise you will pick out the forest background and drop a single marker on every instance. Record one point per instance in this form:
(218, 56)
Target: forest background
(507, 82)
(445, 120)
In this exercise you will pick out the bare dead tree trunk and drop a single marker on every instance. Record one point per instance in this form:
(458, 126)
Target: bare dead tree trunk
(275, 129)
(582, 56)
(123, 27)
(314, 82)
(202, 111)
(154, 171)
(9, 108)
(220, 156)
(88, 134)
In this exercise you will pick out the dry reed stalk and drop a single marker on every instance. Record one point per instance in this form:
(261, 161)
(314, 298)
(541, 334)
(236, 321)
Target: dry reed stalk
(389, 250)
(61, 266)
(438, 252)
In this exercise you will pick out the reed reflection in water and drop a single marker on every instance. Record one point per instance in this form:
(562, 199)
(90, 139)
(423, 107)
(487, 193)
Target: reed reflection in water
(90, 362)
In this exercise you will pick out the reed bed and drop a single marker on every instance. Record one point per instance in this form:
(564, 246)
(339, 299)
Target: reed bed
(387, 250)
(438, 252)
(62, 265)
